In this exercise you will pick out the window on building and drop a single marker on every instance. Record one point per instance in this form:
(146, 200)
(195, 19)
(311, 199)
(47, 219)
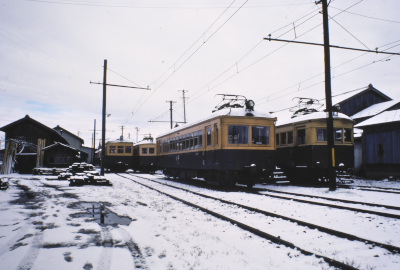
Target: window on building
(238, 134)
(321, 135)
(260, 135)
(301, 136)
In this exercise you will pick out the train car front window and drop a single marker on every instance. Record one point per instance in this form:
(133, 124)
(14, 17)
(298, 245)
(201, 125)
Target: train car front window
(238, 134)
(321, 135)
(301, 136)
(261, 135)
(113, 149)
(151, 150)
(347, 135)
(338, 135)
(144, 150)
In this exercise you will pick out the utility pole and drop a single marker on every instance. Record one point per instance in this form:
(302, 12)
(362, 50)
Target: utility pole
(122, 131)
(103, 122)
(137, 134)
(170, 110)
(184, 104)
(103, 131)
(94, 142)
(328, 97)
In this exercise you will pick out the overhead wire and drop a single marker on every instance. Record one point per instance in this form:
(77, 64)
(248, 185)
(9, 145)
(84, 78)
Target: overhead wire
(190, 56)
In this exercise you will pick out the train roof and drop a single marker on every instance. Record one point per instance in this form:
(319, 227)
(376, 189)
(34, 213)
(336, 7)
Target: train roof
(145, 142)
(223, 112)
(310, 116)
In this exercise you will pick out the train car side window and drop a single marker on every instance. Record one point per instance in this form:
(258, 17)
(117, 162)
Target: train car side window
(278, 142)
(290, 137)
(144, 151)
(321, 135)
(128, 149)
(200, 139)
(283, 138)
(338, 135)
(216, 133)
(151, 150)
(301, 136)
(347, 135)
(113, 149)
(260, 135)
(209, 136)
(238, 134)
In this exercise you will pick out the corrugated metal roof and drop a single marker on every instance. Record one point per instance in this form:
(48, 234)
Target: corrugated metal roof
(383, 118)
(375, 109)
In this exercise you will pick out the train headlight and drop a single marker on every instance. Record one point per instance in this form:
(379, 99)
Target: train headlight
(250, 105)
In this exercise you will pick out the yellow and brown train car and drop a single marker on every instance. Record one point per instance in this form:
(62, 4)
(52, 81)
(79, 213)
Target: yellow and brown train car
(301, 146)
(119, 155)
(145, 156)
(233, 145)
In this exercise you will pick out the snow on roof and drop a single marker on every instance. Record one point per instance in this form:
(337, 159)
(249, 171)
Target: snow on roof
(61, 144)
(382, 118)
(315, 115)
(357, 132)
(375, 109)
(222, 112)
(120, 140)
(145, 142)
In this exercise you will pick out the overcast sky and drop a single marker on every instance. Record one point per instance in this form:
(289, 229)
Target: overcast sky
(50, 50)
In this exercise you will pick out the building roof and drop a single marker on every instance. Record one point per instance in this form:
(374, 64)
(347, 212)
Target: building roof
(10, 126)
(70, 133)
(382, 118)
(375, 109)
(57, 144)
(339, 98)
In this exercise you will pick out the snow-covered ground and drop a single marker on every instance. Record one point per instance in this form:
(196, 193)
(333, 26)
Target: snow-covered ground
(46, 224)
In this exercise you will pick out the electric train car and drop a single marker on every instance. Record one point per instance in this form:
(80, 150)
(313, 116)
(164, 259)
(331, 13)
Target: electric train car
(119, 155)
(301, 146)
(234, 145)
(145, 155)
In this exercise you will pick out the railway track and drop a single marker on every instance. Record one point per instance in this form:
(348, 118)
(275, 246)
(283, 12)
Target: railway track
(295, 197)
(372, 188)
(230, 213)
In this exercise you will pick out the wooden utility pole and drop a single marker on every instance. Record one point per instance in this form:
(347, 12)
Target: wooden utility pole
(328, 97)
(184, 105)
(103, 131)
(103, 122)
(170, 111)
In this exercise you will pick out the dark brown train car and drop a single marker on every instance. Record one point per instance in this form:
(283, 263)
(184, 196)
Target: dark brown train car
(233, 145)
(301, 146)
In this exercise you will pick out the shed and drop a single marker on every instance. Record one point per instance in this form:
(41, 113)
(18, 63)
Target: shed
(381, 144)
(60, 155)
(351, 103)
